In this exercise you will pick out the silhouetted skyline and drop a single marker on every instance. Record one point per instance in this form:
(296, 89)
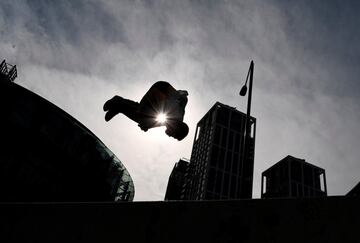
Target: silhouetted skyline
(306, 100)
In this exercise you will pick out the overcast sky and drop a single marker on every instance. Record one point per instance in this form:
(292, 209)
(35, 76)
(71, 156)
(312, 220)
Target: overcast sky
(306, 94)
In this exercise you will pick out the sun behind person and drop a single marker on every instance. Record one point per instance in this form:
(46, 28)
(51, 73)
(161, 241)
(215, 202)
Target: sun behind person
(162, 105)
(161, 118)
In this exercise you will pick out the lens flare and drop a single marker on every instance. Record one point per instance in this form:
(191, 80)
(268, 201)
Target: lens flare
(161, 118)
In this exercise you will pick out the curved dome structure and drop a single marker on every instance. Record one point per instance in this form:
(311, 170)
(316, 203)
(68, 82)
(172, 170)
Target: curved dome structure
(47, 155)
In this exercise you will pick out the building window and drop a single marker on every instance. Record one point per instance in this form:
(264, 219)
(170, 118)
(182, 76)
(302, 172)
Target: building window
(235, 163)
(235, 123)
(221, 160)
(237, 142)
(224, 137)
(197, 133)
(219, 176)
(228, 161)
(322, 180)
(214, 155)
(217, 135)
(264, 185)
(226, 184)
(223, 116)
(231, 140)
(233, 186)
(296, 171)
(211, 180)
(300, 190)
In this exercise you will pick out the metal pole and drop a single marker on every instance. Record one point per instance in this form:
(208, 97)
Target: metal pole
(247, 122)
(248, 125)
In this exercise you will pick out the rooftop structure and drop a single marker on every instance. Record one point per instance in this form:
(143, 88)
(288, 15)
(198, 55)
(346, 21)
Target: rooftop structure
(293, 177)
(7, 71)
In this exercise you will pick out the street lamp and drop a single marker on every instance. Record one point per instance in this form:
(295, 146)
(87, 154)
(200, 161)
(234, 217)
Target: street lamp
(243, 91)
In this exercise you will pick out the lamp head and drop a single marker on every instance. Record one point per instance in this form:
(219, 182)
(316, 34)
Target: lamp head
(243, 90)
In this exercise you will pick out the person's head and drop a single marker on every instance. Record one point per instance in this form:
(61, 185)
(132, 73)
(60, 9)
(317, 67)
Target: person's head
(183, 92)
(177, 129)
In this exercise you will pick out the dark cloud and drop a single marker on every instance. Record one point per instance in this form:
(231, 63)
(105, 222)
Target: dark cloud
(325, 35)
(74, 22)
(58, 31)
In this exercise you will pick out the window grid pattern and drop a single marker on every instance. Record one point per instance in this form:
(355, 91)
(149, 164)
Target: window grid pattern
(293, 177)
(216, 170)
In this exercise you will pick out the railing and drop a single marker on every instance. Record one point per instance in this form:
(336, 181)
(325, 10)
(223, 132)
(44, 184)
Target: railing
(7, 70)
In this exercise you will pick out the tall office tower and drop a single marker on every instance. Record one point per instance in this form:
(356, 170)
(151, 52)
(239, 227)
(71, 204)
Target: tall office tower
(293, 177)
(218, 169)
(177, 180)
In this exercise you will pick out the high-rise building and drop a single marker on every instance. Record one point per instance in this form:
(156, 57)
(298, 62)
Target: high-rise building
(177, 180)
(218, 169)
(293, 177)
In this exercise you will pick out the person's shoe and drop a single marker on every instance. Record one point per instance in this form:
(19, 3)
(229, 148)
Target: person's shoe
(110, 114)
(113, 102)
(112, 107)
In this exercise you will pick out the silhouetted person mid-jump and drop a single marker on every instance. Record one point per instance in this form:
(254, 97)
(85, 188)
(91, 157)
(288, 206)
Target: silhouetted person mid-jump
(162, 105)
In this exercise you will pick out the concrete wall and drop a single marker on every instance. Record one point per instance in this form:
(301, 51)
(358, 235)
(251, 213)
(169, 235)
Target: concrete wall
(332, 219)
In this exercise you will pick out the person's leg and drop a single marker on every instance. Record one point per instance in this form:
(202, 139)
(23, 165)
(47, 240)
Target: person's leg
(152, 103)
(118, 105)
(131, 109)
(156, 96)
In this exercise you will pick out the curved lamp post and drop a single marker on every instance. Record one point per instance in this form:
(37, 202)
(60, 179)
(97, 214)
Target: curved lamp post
(243, 92)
